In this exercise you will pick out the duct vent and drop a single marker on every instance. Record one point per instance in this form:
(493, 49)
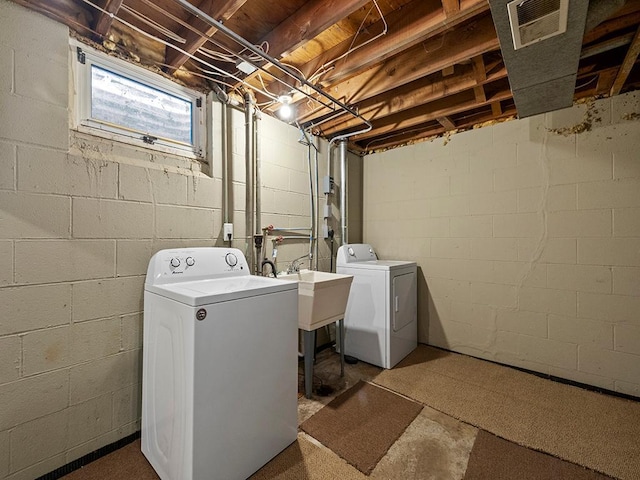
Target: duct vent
(535, 20)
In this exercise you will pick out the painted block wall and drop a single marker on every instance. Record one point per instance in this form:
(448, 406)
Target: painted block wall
(80, 218)
(527, 234)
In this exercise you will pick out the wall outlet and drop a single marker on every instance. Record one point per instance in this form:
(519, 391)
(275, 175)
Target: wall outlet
(327, 211)
(227, 232)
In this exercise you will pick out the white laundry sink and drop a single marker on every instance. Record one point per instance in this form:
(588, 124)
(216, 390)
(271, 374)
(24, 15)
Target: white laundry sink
(322, 297)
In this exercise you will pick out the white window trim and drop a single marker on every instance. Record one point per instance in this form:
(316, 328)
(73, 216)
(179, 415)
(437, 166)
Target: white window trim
(81, 115)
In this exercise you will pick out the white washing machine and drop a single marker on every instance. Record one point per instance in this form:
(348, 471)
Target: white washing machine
(381, 320)
(220, 359)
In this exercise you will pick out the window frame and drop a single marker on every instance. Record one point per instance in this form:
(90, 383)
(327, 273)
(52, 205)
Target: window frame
(84, 57)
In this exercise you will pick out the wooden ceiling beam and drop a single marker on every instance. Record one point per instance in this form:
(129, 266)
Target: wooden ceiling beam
(411, 96)
(450, 7)
(448, 70)
(415, 22)
(431, 56)
(447, 123)
(424, 132)
(480, 94)
(479, 68)
(306, 23)
(105, 19)
(613, 25)
(406, 26)
(427, 129)
(627, 64)
(220, 10)
(605, 81)
(410, 26)
(431, 111)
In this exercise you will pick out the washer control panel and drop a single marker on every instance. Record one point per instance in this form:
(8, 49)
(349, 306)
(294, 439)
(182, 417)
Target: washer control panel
(189, 264)
(355, 252)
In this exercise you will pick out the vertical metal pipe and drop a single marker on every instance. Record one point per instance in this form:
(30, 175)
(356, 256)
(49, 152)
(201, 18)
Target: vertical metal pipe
(343, 192)
(312, 206)
(317, 203)
(257, 188)
(257, 177)
(249, 171)
(225, 163)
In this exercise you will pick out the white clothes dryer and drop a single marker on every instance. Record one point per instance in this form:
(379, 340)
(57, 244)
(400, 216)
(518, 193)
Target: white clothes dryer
(219, 387)
(381, 324)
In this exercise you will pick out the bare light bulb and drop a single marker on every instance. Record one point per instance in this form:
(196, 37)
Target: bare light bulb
(285, 112)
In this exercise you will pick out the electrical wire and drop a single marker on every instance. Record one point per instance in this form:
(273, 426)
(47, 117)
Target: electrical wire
(153, 24)
(241, 41)
(315, 92)
(323, 68)
(139, 30)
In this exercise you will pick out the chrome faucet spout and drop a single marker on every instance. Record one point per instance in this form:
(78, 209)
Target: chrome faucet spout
(294, 266)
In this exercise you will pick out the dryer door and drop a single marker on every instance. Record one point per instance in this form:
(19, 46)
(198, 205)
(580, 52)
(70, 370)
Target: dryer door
(404, 300)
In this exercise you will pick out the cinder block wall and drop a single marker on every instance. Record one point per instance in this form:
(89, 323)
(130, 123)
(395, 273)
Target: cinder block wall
(80, 218)
(527, 234)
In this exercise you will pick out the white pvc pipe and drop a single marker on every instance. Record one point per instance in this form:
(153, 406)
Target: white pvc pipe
(343, 192)
(249, 173)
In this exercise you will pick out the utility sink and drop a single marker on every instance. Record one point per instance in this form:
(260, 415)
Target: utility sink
(322, 297)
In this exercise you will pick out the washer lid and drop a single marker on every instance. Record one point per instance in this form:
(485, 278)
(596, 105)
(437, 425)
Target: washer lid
(206, 292)
(380, 264)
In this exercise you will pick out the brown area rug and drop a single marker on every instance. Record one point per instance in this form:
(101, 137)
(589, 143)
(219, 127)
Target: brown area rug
(125, 463)
(594, 430)
(362, 423)
(493, 458)
(302, 460)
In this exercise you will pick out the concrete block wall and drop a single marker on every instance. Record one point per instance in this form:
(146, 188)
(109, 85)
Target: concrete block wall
(528, 239)
(80, 218)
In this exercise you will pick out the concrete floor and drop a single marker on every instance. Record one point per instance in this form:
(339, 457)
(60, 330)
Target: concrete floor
(434, 445)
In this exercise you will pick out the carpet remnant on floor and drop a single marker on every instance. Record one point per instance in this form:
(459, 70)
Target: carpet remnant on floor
(305, 460)
(494, 458)
(362, 423)
(591, 429)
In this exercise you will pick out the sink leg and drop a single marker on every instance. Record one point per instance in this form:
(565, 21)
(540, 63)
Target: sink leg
(341, 328)
(309, 350)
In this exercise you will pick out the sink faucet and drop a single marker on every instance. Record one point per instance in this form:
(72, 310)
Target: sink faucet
(294, 266)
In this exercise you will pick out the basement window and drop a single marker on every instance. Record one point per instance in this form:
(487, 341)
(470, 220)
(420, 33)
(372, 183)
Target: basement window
(124, 102)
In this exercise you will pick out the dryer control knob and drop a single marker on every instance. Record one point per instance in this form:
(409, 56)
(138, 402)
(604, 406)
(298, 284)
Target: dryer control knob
(190, 261)
(231, 259)
(174, 262)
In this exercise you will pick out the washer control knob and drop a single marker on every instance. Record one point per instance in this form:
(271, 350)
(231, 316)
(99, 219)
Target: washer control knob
(174, 262)
(231, 259)
(190, 261)
(351, 252)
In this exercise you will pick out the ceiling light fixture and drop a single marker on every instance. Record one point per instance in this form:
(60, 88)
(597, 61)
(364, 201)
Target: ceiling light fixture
(285, 112)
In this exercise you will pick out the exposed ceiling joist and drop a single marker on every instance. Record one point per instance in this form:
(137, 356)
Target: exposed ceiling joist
(105, 19)
(627, 64)
(429, 57)
(445, 107)
(447, 123)
(413, 95)
(421, 20)
(306, 23)
(450, 7)
(218, 9)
